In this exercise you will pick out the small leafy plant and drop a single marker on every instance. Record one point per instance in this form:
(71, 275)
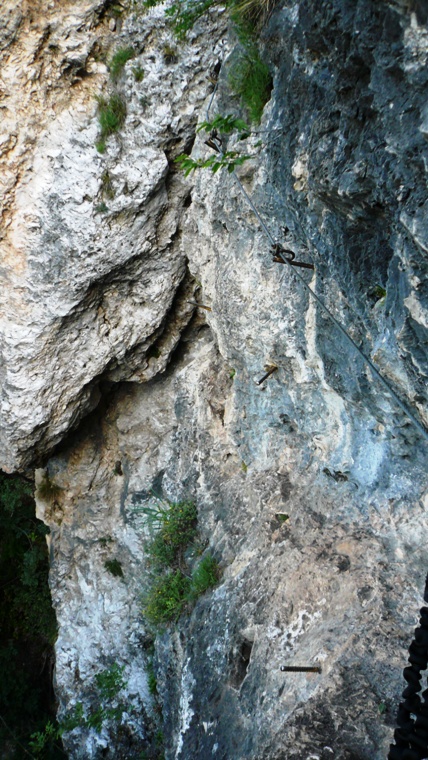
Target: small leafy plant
(167, 598)
(226, 125)
(108, 684)
(228, 160)
(205, 576)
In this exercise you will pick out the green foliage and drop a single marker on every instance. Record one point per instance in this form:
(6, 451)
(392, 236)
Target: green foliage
(205, 576)
(111, 117)
(110, 681)
(251, 81)
(117, 63)
(249, 78)
(114, 567)
(108, 684)
(183, 13)
(151, 679)
(167, 598)
(101, 208)
(282, 517)
(138, 73)
(379, 292)
(176, 529)
(42, 741)
(228, 160)
(226, 125)
(27, 621)
(174, 540)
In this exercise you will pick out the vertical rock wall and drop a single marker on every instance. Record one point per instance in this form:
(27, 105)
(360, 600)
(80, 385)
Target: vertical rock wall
(311, 487)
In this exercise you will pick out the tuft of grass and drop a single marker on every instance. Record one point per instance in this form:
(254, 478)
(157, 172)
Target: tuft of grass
(114, 567)
(250, 79)
(101, 208)
(205, 576)
(111, 116)
(138, 73)
(117, 63)
(177, 529)
(47, 489)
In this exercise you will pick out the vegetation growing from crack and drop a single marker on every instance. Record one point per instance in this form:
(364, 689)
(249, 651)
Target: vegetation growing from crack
(107, 685)
(229, 159)
(118, 61)
(47, 489)
(114, 567)
(249, 78)
(176, 579)
(111, 117)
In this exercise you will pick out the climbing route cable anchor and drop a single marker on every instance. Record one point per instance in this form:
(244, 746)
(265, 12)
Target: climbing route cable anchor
(280, 257)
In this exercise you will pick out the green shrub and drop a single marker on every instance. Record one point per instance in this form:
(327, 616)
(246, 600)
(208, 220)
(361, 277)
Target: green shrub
(228, 160)
(174, 541)
(152, 681)
(167, 598)
(117, 63)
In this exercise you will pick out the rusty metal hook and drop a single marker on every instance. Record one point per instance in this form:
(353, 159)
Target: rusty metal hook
(280, 257)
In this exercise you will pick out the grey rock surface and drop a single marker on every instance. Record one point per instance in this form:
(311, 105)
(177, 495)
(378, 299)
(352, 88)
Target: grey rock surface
(311, 487)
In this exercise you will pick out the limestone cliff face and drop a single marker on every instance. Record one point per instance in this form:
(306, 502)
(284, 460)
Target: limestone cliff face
(311, 487)
(91, 264)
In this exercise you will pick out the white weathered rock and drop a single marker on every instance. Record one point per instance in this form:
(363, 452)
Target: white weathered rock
(90, 262)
